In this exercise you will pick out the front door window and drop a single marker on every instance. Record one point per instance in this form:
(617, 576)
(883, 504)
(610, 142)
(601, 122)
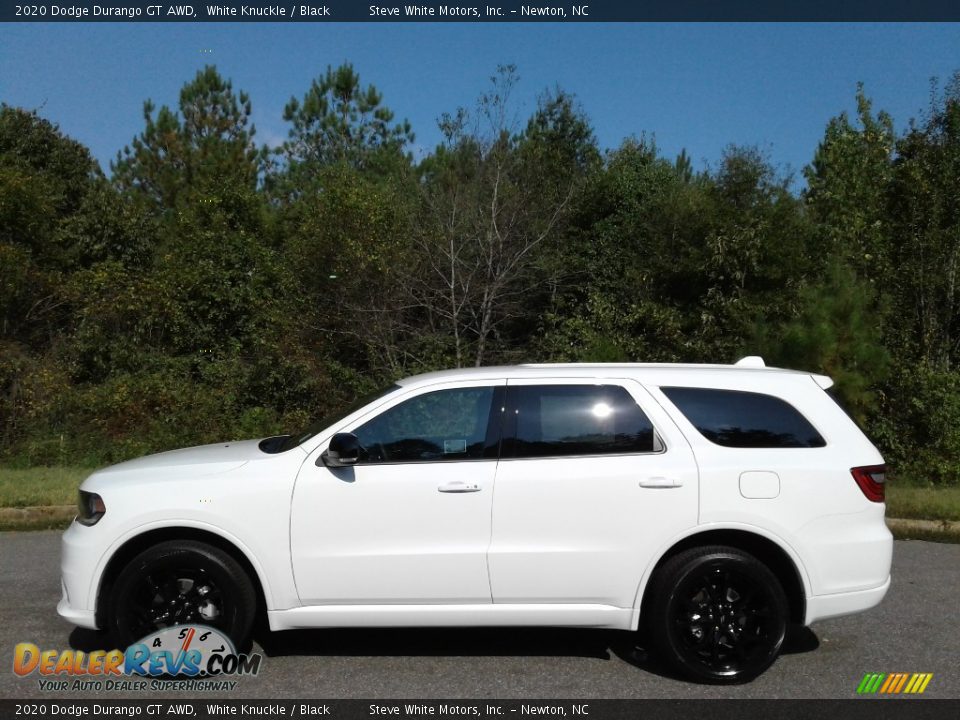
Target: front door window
(438, 426)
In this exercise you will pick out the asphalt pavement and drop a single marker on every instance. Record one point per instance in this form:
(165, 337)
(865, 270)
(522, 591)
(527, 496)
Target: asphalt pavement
(914, 630)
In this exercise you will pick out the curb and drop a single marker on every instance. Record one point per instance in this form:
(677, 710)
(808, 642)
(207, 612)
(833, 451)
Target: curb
(37, 513)
(907, 527)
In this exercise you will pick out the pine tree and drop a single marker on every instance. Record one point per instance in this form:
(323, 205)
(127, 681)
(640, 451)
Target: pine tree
(339, 121)
(836, 333)
(192, 153)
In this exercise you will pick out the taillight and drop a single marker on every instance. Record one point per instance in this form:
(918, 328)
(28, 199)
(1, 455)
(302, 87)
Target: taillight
(872, 480)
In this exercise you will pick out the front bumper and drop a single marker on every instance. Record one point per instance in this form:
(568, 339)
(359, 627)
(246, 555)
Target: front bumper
(79, 555)
(75, 616)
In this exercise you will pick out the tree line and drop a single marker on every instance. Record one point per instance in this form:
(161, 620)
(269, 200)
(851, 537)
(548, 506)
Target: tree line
(214, 287)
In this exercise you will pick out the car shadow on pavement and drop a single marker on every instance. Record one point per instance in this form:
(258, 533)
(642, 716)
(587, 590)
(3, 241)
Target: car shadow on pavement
(516, 642)
(89, 640)
(410, 642)
(430, 642)
(461, 642)
(799, 640)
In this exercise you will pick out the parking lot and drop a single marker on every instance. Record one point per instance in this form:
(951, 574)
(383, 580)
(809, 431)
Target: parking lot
(914, 630)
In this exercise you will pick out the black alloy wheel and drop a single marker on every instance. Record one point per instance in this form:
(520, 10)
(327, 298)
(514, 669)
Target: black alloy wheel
(179, 583)
(718, 614)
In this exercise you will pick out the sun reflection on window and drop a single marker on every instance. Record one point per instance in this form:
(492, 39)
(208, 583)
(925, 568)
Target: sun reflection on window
(601, 410)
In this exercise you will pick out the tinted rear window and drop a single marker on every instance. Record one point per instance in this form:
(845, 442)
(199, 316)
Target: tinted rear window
(744, 419)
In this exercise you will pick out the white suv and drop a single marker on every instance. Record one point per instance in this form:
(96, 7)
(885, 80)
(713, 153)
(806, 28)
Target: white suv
(710, 505)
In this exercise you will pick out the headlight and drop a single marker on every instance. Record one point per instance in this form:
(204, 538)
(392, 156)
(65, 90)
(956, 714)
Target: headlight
(90, 508)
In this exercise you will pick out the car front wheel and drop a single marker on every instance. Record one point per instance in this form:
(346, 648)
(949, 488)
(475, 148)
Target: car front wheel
(718, 614)
(181, 582)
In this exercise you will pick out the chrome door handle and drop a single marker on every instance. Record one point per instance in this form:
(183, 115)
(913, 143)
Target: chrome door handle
(660, 482)
(458, 486)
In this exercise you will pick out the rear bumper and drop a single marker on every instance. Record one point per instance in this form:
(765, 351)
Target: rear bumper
(846, 554)
(822, 607)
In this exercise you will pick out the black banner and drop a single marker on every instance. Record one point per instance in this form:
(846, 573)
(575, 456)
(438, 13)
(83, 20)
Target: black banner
(855, 709)
(468, 11)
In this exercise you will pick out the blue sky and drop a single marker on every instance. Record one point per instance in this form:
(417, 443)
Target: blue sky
(694, 86)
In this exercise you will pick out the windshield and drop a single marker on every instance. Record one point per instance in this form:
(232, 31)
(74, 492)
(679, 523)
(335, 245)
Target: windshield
(286, 442)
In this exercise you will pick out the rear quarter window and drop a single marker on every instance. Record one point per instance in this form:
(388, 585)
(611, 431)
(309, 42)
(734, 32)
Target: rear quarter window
(734, 418)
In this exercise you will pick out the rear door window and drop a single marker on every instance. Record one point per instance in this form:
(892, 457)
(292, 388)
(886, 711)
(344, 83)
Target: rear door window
(564, 420)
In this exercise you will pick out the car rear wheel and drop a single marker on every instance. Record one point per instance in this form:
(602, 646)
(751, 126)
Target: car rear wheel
(181, 582)
(717, 614)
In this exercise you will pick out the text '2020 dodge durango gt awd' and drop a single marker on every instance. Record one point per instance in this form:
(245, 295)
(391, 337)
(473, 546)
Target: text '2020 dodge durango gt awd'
(708, 505)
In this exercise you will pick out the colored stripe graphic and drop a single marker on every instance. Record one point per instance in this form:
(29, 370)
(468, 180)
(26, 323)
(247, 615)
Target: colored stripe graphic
(903, 680)
(894, 683)
(870, 683)
(918, 683)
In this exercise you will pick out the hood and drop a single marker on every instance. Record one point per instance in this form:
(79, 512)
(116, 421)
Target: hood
(195, 461)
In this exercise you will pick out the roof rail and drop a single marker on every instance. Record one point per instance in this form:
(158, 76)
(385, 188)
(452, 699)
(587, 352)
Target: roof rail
(750, 361)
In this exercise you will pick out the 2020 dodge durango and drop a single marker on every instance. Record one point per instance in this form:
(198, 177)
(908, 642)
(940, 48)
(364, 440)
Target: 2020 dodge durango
(708, 505)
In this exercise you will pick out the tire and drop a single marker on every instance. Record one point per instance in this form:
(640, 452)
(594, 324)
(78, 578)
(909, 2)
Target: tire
(717, 615)
(181, 582)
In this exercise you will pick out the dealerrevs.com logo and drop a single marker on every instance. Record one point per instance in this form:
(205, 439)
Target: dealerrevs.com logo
(183, 657)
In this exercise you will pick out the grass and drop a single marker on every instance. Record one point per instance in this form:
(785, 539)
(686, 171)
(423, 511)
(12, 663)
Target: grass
(923, 503)
(42, 487)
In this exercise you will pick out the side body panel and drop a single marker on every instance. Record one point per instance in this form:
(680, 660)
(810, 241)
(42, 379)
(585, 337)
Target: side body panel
(388, 533)
(806, 497)
(583, 529)
(248, 505)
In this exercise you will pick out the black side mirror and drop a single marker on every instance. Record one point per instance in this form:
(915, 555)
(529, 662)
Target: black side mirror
(344, 450)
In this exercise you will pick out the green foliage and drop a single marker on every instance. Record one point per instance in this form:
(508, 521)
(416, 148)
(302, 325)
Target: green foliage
(674, 267)
(758, 250)
(919, 425)
(185, 157)
(847, 189)
(496, 205)
(888, 207)
(835, 333)
(347, 247)
(340, 122)
(61, 168)
(558, 144)
(212, 289)
(924, 212)
(45, 182)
